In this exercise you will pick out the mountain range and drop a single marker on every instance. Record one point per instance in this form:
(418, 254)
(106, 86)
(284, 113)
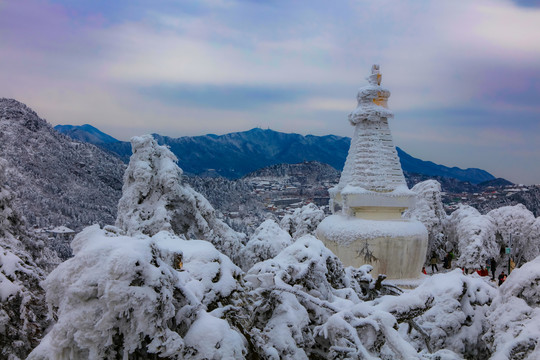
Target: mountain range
(236, 154)
(61, 181)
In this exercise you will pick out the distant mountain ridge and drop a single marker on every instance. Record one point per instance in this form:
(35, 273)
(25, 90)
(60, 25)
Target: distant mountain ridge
(237, 154)
(86, 133)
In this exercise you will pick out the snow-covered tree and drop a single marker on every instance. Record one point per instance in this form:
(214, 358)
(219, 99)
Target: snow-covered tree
(533, 241)
(303, 221)
(126, 297)
(155, 199)
(513, 225)
(477, 243)
(23, 264)
(450, 225)
(472, 236)
(429, 210)
(514, 316)
(266, 242)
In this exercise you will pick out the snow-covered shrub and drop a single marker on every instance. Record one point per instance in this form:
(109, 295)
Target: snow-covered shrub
(297, 299)
(364, 332)
(367, 288)
(303, 221)
(514, 315)
(306, 264)
(155, 199)
(429, 210)
(513, 224)
(454, 319)
(292, 294)
(123, 296)
(266, 242)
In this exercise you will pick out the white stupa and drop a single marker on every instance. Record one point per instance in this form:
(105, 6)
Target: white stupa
(366, 226)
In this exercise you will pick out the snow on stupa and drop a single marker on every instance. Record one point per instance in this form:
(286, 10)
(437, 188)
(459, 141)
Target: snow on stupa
(366, 226)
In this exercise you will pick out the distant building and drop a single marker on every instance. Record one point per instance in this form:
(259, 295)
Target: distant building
(62, 232)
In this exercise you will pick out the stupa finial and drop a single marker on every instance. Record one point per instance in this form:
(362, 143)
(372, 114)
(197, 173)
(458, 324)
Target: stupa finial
(376, 76)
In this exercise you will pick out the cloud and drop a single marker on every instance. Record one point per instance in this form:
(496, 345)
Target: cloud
(462, 73)
(221, 96)
(527, 3)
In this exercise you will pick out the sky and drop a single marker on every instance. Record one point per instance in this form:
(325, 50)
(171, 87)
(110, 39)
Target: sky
(464, 75)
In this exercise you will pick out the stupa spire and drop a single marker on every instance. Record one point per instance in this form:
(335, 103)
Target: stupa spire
(372, 168)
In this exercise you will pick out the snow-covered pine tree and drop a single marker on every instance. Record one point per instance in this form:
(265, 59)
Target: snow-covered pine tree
(154, 198)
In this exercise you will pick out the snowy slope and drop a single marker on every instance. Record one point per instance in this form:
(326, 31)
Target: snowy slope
(57, 181)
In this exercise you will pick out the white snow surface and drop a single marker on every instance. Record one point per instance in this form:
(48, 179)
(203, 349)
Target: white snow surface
(61, 230)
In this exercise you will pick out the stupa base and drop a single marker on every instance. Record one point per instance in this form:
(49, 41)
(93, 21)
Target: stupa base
(396, 248)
